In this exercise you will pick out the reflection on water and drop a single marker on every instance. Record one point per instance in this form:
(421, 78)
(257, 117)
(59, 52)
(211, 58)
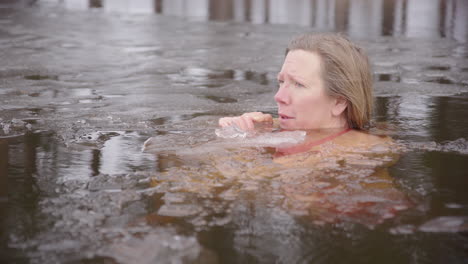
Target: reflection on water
(96, 178)
(95, 190)
(359, 18)
(206, 78)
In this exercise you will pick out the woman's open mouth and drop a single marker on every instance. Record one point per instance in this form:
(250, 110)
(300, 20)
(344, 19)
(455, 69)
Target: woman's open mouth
(285, 117)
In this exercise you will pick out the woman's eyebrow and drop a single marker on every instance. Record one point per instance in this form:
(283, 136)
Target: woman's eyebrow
(294, 77)
(297, 78)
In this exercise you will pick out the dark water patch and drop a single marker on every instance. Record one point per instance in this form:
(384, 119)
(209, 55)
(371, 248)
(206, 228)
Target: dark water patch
(438, 68)
(226, 74)
(440, 80)
(220, 99)
(21, 72)
(388, 77)
(35, 94)
(440, 118)
(37, 77)
(442, 55)
(8, 4)
(260, 78)
(447, 117)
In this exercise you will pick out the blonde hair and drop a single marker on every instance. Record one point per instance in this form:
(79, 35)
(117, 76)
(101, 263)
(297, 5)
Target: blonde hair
(345, 71)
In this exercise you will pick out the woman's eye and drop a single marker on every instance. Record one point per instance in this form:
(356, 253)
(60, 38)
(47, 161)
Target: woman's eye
(298, 84)
(280, 82)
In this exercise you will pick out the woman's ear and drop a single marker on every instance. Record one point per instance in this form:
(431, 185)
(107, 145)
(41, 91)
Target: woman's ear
(339, 106)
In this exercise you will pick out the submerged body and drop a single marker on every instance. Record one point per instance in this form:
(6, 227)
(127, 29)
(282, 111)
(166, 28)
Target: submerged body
(337, 173)
(343, 179)
(325, 86)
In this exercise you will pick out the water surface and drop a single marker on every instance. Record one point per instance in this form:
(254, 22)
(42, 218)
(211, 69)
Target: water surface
(84, 84)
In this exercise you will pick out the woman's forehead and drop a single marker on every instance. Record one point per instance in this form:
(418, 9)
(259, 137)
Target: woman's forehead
(301, 63)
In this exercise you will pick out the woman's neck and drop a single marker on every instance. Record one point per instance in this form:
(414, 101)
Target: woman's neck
(336, 122)
(314, 138)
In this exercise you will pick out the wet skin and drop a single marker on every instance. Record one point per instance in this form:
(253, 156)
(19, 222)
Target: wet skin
(302, 100)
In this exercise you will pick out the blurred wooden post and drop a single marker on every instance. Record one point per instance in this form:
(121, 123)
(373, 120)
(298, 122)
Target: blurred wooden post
(221, 10)
(158, 6)
(95, 3)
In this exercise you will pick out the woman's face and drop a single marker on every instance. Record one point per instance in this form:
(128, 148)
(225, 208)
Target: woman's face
(301, 97)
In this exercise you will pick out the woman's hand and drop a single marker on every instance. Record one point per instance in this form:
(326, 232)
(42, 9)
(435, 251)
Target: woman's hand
(246, 121)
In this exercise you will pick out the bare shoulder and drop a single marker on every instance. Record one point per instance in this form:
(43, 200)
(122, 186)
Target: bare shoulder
(357, 138)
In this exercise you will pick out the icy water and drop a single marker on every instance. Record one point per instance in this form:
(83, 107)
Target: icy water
(82, 90)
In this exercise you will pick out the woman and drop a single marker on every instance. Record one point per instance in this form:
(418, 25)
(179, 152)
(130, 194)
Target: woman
(340, 172)
(325, 88)
(325, 85)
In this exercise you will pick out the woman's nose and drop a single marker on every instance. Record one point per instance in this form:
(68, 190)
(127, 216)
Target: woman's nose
(282, 96)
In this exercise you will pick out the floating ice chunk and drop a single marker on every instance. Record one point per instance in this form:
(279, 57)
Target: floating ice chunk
(147, 144)
(271, 139)
(231, 132)
(446, 224)
(59, 245)
(403, 230)
(459, 145)
(6, 129)
(454, 205)
(179, 210)
(235, 138)
(161, 246)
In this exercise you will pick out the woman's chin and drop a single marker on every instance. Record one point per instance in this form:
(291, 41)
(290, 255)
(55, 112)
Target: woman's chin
(288, 124)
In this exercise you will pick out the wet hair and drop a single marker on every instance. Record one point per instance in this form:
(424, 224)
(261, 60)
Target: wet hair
(345, 71)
